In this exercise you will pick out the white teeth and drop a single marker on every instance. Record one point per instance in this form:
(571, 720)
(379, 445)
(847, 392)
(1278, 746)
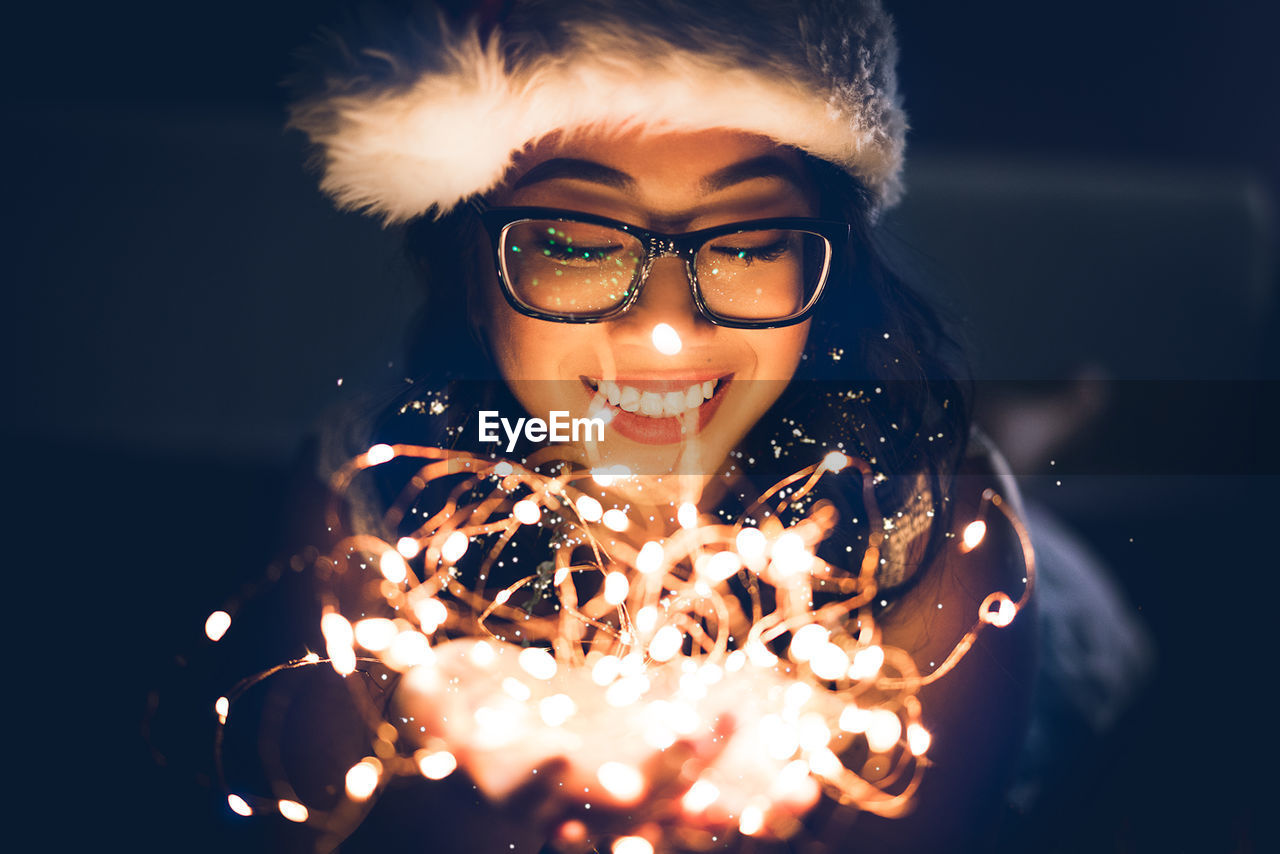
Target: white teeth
(655, 404)
(629, 400)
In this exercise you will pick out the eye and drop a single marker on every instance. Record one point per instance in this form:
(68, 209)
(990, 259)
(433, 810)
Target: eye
(573, 243)
(561, 250)
(749, 248)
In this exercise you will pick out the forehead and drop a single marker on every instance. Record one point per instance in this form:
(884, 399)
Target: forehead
(662, 170)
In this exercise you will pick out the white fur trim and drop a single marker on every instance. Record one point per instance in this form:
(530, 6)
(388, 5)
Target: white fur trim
(402, 151)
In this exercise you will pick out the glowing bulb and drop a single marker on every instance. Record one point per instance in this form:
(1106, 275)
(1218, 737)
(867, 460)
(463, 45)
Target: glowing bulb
(751, 821)
(759, 654)
(589, 508)
(516, 689)
(338, 639)
(526, 512)
(973, 534)
(216, 625)
(293, 811)
(666, 340)
(238, 805)
(866, 662)
(687, 515)
(722, 566)
(701, 795)
(854, 719)
(557, 709)
(409, 649)
(666, 643)
(538, 663)
(393, 567)
(646, 618)
(790, 555)
(454, 547)
(751, 544)
(835, 461)
(918, 739)
(808, 640)
(608, 475)
(792, 777)
(616, 588)
(632, 845)
(222, 708)
(482, 655)
(650, 558)
(615, 520)
(883, 730)
(622, 781)
(606, 670)
(437, 765)
(408, 547)
(626, 691)
(796, 695)
(431, 613)
(362, 778)
(503, 469)
(825, 763)
(376, 456)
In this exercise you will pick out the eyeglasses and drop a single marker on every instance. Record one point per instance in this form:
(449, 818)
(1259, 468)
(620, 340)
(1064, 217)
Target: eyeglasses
(571, 267)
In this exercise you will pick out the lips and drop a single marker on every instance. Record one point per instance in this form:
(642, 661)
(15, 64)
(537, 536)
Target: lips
(660, 411)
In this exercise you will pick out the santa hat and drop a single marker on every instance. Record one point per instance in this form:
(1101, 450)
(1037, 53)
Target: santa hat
(410, 115)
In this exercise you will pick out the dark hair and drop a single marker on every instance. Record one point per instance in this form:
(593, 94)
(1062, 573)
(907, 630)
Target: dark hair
(878, 376)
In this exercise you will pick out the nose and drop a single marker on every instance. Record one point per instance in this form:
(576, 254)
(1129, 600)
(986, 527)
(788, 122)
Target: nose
(666, 296)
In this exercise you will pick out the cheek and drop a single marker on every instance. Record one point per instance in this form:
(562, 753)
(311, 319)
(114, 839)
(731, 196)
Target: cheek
(508, 332)
(778, 351)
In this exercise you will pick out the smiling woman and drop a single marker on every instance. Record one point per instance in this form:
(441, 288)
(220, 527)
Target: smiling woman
(704, 185)
(662, 216)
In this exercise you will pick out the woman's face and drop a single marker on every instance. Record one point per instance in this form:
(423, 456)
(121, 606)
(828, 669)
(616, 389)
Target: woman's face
(670, 183)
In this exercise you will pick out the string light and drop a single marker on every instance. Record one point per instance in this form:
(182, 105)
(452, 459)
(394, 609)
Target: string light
(638, 634)
(216, 625)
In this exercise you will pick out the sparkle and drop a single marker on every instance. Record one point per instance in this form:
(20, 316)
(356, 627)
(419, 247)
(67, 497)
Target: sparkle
(216, 625)
(666, 340)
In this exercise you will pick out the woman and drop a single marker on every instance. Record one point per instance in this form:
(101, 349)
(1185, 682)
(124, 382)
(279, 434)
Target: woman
(662, 215)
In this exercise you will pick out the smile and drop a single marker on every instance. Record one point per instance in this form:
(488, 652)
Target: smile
(660, 411)
(655, 404)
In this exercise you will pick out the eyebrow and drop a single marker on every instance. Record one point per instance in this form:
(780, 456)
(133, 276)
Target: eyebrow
(577, 169)
(764, 166)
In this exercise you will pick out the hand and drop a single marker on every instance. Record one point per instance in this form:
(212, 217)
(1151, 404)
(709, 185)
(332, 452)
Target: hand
(566, 754)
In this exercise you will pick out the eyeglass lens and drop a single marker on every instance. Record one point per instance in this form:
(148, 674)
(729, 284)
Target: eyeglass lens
(583, 269)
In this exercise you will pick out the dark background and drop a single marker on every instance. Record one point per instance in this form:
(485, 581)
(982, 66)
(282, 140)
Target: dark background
(1092, 194)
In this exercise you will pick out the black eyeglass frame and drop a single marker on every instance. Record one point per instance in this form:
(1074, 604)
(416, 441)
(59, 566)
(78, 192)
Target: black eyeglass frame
(658, 245)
